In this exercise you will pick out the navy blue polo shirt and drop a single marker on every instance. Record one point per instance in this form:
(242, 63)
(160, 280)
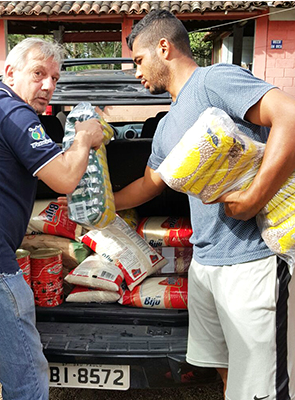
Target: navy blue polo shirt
(24, 149)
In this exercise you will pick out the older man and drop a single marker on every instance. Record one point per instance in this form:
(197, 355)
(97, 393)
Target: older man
(27, 154)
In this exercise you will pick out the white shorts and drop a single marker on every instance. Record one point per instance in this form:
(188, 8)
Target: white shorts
(242, 317)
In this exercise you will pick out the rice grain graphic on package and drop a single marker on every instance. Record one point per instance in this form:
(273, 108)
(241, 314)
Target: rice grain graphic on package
(215, 157)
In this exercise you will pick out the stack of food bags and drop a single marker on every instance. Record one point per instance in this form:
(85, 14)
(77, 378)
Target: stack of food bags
(51, 228)
(120, 254)
(170, 236)
(214, 157)
(92, 202)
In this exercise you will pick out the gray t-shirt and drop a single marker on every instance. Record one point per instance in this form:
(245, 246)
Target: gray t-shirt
(217, 239)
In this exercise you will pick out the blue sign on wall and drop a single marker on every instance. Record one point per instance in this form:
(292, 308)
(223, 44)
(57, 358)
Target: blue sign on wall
(276, 44)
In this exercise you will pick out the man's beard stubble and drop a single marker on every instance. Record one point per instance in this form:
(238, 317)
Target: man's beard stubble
(161, 77)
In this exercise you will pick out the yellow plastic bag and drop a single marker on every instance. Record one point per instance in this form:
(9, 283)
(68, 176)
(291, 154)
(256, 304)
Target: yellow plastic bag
(213, 158)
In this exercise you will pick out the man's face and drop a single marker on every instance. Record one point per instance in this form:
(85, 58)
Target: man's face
(150, 69)
(36, 82)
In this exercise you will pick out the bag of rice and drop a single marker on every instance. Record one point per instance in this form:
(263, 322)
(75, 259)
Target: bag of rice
(54, 221)
(92, 202)
(88, 295)
(156, 292)
(96, 272)
(124, 247)
(166, 231)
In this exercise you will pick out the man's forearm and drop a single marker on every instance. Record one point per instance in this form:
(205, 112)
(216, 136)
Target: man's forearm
(132, 195)
(64, 172)
(139, 191)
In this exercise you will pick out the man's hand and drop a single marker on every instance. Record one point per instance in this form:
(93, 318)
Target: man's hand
(93, 128)
(239, 205)
(64, 172)
(63, 203)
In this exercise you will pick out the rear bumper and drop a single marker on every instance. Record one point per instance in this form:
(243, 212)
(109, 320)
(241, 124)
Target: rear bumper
(154, 351)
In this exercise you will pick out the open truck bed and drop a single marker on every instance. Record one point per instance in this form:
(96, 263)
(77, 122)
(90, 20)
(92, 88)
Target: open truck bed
(111, 346)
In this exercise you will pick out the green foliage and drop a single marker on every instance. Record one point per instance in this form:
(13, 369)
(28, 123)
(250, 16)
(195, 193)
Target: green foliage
(15, 39)
(94, 50)
(201, 50)
(80, 50)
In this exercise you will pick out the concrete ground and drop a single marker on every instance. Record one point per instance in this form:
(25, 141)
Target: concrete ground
(211, 392)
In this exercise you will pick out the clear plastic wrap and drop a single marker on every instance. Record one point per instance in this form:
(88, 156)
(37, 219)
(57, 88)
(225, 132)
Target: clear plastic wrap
(213, 158)
(92, 202)
(96, 272)
(91, 295)
(125, 248)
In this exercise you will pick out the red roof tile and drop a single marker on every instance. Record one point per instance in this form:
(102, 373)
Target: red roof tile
(19, 8)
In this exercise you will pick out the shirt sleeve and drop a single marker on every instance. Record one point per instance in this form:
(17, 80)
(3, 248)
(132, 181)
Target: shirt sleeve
(157, 156)
(233, 89)
(23, 133)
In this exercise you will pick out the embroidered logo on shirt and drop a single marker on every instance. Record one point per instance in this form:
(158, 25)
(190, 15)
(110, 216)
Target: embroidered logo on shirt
(38, 134)
(260, 398)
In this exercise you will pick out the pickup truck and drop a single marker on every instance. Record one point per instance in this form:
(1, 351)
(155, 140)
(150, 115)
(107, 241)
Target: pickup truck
(111, 346)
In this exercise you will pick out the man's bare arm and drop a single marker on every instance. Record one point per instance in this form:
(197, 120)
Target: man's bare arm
(139, 191)
(276, 109)
(65, 171)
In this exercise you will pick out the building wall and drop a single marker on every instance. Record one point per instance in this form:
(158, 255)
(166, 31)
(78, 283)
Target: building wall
(3, 44)
(280, 63)
(276, 65)
(247, 51)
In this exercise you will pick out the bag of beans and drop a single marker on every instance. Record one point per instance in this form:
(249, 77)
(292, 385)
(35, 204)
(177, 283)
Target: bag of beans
(214, 157)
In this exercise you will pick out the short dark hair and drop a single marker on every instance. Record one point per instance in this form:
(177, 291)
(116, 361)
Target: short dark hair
(159, 24)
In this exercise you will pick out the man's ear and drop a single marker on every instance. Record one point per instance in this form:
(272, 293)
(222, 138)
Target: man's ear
(164, 48)
(9, 75)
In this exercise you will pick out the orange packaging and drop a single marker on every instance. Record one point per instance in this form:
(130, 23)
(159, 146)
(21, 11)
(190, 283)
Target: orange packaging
(166, 231)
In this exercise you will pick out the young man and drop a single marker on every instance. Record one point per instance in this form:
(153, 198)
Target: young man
(241, 296)
(27, 154)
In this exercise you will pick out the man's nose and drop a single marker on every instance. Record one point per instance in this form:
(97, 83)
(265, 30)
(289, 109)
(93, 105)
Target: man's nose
(138, 73)
(48, 84)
